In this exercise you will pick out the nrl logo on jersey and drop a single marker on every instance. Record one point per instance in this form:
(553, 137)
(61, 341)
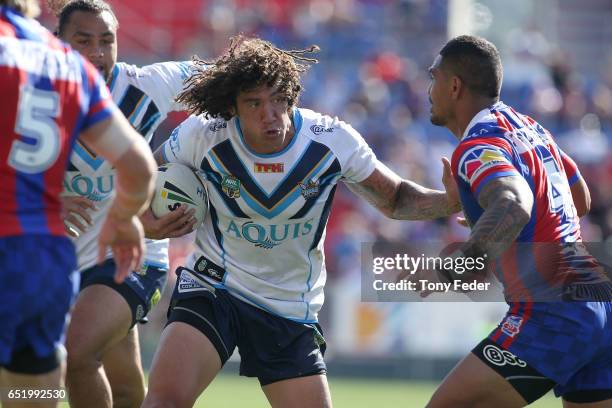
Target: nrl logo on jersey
(318, 129)
(310, 189)
(231, 186)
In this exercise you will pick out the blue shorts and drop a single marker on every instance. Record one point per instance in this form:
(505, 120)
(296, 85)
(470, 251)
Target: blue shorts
(141, 290)
(38, 286)
(272, 348)
(568, 342)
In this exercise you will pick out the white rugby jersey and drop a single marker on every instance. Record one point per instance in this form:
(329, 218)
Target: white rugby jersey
(145, 96)
(268, 212)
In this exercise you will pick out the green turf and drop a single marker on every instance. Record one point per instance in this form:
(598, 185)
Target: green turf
(239, 392)
(232, 391)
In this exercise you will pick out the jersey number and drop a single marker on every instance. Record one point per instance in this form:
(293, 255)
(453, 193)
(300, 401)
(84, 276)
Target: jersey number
(40, 145)
(558, 192)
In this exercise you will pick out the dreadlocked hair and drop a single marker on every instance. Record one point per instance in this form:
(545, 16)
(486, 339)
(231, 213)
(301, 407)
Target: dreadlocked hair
(213, 87)
(64, 9)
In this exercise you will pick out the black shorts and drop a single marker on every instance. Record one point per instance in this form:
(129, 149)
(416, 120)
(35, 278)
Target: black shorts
(272, 348)
(141, 290)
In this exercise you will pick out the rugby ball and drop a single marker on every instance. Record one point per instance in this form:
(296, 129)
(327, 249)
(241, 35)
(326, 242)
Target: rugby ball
(178, 185)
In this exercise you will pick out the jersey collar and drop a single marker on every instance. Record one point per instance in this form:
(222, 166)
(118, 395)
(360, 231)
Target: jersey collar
(485, 115)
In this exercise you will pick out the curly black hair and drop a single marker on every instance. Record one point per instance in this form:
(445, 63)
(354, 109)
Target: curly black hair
(247, 64)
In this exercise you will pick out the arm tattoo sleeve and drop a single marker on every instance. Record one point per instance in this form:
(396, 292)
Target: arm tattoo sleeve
(402, 199)
(507, 202)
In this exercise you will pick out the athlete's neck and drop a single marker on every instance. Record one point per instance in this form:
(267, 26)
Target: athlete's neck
(466, 112)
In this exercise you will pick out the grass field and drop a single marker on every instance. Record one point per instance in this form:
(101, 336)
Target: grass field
(240, 392)
(232, 391)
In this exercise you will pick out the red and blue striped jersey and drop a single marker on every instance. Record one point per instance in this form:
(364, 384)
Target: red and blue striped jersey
(501, 142)
(49, 95)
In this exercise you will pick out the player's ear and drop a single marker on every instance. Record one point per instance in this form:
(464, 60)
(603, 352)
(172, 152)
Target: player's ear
(456, 86)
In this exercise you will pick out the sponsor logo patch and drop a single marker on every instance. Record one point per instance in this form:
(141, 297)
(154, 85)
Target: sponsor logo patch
(208, 268)
(500, 358)
(217, 126)
(188, 282)
(269, 167)
(318, 129)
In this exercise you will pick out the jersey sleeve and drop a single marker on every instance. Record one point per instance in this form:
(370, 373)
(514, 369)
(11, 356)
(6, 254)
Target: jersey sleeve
(187, 143)
(476, 163)
(99, 104)
(357, 160)
(162, 82)
(571, 168)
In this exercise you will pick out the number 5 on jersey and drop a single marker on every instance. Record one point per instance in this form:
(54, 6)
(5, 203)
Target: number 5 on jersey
(40, 145)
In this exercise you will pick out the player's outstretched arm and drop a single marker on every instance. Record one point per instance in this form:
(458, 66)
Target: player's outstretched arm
(507, 202)
(406, 200)
(116, 141)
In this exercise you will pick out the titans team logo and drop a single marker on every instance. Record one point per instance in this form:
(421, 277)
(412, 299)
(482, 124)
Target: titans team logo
(310, 189)
(231, 186)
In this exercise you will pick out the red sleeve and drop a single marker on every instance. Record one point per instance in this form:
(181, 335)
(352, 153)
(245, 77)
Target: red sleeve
(571, 169)
(478, 161)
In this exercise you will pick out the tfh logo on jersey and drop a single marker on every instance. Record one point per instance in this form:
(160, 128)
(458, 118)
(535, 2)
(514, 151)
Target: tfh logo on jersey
(269, 167)
(231, 186)
(310, 189)
(479, 159)
(269, 236)
(512, 325)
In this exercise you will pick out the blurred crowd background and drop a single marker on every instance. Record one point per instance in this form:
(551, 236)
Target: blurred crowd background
(372, 73)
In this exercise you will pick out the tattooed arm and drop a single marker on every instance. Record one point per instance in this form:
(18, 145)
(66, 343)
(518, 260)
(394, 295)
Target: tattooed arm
(406, 200)
(507, 202)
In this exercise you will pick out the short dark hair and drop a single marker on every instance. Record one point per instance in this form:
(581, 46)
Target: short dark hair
(249, 63)
(64, 10)
(476, 61)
